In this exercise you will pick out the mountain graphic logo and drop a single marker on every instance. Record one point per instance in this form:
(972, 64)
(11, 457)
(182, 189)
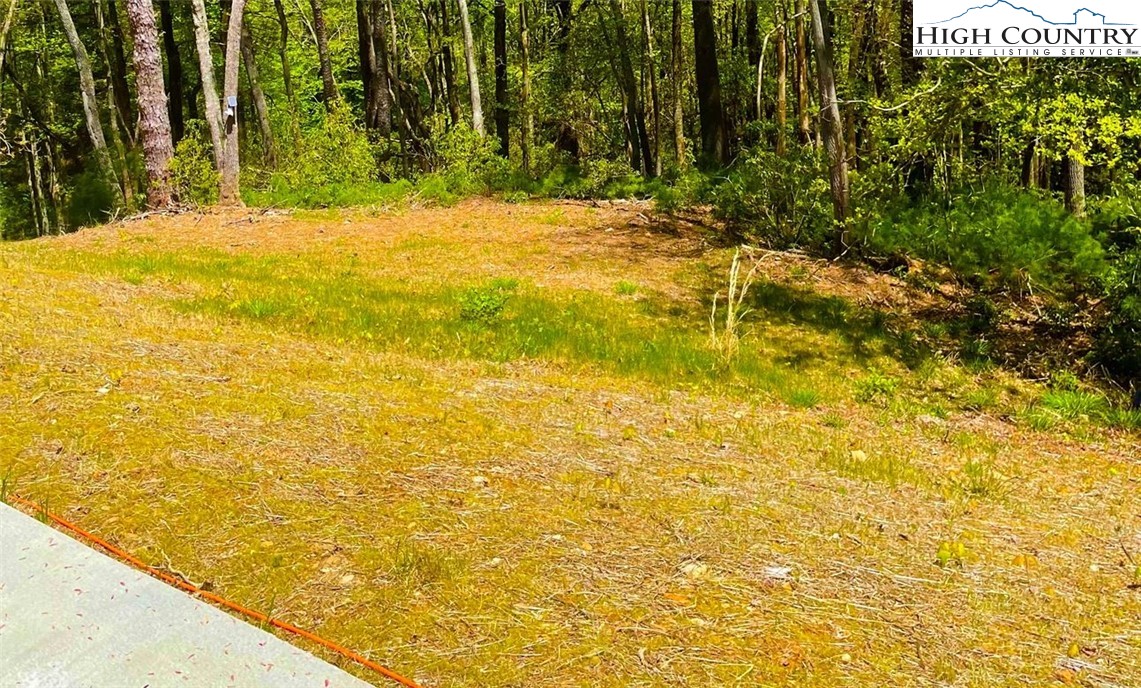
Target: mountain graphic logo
(1082, 15)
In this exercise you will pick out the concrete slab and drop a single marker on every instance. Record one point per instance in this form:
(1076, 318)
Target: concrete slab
(72, 617)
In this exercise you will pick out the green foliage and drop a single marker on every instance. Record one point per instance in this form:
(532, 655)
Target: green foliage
(999, 237)
(192, 169)
(92, 199)
(1118, 336)
(336, 153)
(876, 387)
(484, 305)
(781, 201)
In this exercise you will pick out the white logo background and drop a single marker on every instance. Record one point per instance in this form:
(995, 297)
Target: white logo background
(928, 12)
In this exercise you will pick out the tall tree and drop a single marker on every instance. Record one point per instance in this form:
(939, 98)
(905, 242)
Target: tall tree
(655, 100)
(714, 135)
(472, 72)
(1075, 184)
(154, 120)
(502, 110)
(677, 58)
(117, 62)
(641, 157)
(86, 90)
(379, 109)
(261, 108)
(4, 29)
(909, 65)
(525, 91)
(782, 79)
(206, 72)
(230, 169)
(449, 60)
(803, 130)
(328, 85)
(173, 70)
(833, 131)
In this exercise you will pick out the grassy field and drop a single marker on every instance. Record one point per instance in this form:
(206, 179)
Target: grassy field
(491, 445)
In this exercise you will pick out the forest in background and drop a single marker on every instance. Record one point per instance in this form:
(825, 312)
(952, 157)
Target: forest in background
(799, 124)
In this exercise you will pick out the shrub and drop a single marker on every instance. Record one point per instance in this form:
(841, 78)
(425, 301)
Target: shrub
(335, 153)
(999, 237)
(484, 305)
(781, 201)
(192, 169)
(1117, 340)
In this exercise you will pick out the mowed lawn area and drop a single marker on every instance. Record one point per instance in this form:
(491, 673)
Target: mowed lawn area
(491, 445)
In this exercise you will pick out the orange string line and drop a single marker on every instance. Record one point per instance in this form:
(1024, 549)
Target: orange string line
(217, 599)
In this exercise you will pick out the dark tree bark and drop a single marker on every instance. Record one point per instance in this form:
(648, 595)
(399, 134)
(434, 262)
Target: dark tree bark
(502, 111)
(642, 160)
(4, 29)
(1075, 185)
(909, 65)
(714, 146)
(366, 54)
(678, 77)
(448, 57)
(655, 100)
(752, 32)
(380, 107)
(832, 129)
(803, 129)
(261, 109)
(283, 51)
(328, 85)
(525, 95)
(154, 120)
(118, 68)
(173, 70)
(782, 78)
(566, 138)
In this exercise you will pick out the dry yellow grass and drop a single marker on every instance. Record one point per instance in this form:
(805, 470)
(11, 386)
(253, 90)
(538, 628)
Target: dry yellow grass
(533, 522)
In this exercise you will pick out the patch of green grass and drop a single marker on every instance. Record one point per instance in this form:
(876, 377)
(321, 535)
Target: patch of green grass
(891, 469)
(803, 398)
(625, 288)
(1073, 404)
(663, 344)
(417, 563)
(980, 479)
(876, 387)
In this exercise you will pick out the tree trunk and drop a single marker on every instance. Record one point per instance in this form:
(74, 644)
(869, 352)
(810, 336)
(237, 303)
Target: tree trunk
(328, 86)
(87, 91)
(231, 168)
(502, 112)
(472, 72)
(209, 87)
(173, 71)
(1075, 185)
(639, 139)
(260, 107)
(381, 105)
(832, 130)
(153, 117)
(655, 100)
(909, 65)
(117, 60)
(714, 147)
(782, 79)
(4, 29)
(804, 132)
(754, 47)
(525, 95)
(366, 57)
(678, 59)
(283, 52)
(566, 138)
(449, 60)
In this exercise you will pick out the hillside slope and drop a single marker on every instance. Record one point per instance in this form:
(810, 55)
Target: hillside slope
(489, 445)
